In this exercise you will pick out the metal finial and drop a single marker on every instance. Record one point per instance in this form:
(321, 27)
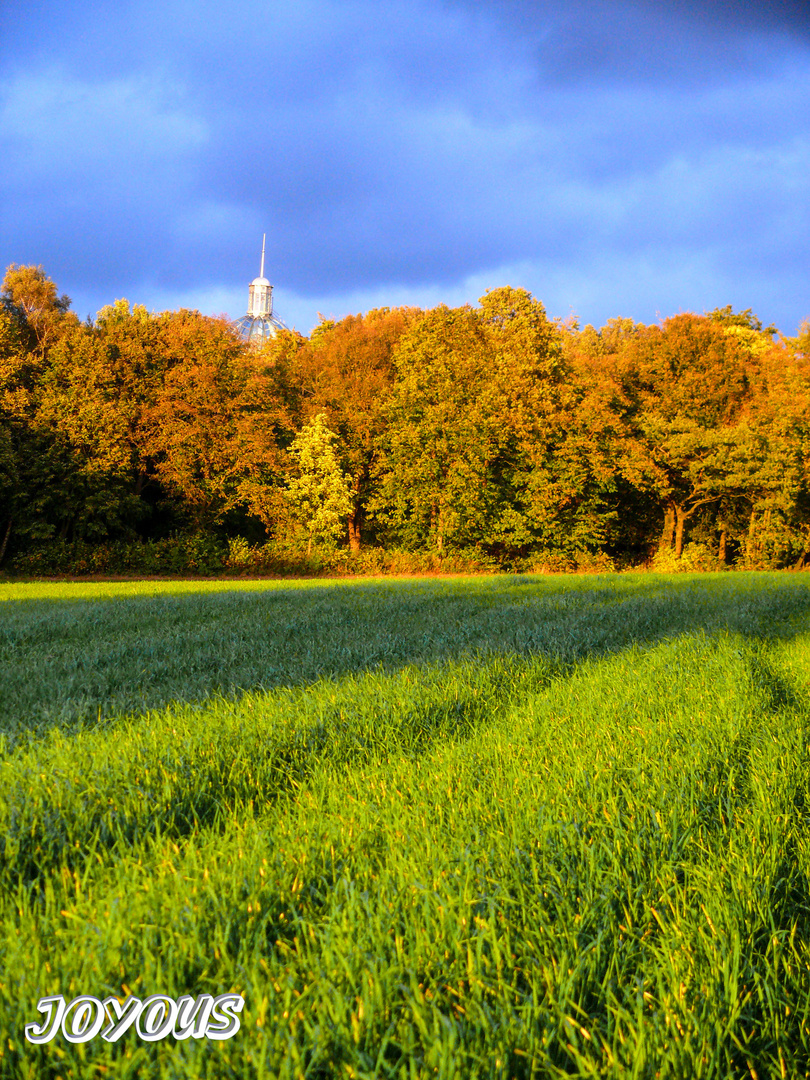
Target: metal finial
(264, 237)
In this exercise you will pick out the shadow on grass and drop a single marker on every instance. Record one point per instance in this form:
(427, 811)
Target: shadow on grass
(70, 663)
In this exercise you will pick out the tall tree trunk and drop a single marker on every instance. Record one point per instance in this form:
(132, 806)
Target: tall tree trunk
(766, 524)
(354, 531)
(680, 521)
(665, 543)
(721, 554)
(356, 515)
(750, 548)
(6, 535)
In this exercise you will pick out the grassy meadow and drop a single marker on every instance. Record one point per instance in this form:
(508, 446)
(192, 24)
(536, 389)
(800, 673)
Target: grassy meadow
(477, 827)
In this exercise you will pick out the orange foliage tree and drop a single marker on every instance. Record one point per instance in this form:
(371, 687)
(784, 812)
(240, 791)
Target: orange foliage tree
(690, 386)
(346, 372)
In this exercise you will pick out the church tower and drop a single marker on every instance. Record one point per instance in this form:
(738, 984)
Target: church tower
(260, 324)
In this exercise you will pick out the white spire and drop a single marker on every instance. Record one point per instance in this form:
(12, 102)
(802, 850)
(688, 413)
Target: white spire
(260, 302)
(260, 323)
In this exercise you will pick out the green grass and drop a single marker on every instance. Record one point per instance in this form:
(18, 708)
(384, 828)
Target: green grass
(483, 827)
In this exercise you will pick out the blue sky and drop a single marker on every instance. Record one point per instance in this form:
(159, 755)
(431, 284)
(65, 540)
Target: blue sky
(615, 159)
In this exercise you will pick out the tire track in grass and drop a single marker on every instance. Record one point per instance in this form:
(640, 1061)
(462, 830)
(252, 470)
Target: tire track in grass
(647, 862)
(70, 663)
(70, 800)
(575, 774)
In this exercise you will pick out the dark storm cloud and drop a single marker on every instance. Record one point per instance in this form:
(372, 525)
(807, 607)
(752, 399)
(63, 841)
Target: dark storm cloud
(612, 154)
(669, 42)
(789, 15)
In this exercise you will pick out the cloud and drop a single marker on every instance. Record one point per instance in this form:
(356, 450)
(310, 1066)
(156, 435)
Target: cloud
(62, 121)
(675, 42)
(89, 165)
(409, 148)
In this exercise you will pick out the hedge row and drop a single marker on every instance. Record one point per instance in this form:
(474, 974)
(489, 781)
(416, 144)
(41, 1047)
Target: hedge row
(205, 555)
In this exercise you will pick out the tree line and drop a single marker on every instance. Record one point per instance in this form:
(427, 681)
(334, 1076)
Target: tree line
(488, 429)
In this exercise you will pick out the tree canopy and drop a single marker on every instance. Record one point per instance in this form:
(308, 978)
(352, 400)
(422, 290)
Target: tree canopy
(490, 428)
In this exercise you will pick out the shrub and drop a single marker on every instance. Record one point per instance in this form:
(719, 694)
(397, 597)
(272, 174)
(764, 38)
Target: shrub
(695, 557)
(196, 553)
(577, 562)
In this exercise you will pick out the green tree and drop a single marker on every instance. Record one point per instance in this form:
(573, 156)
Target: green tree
(560, 467)
(621, 482)
(318, 492)
(441, 434)
(485, 445)
(743, 320)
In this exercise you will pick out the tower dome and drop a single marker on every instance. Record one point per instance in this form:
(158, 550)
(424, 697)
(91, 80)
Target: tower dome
(260, 324)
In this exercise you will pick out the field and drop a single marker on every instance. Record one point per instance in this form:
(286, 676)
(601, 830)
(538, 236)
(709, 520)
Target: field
(474, 827)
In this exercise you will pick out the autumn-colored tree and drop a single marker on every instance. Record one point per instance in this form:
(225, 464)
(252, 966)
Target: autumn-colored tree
(37, 462)
(77, 405)
(44, 313)
(690, 384)
(218, 426)
(800, 345)
(775, 487)
(346, 372)
(264, 410)
(133, 363)
(488, 426)
(18, 371)
(96, 391)
(190, 428)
